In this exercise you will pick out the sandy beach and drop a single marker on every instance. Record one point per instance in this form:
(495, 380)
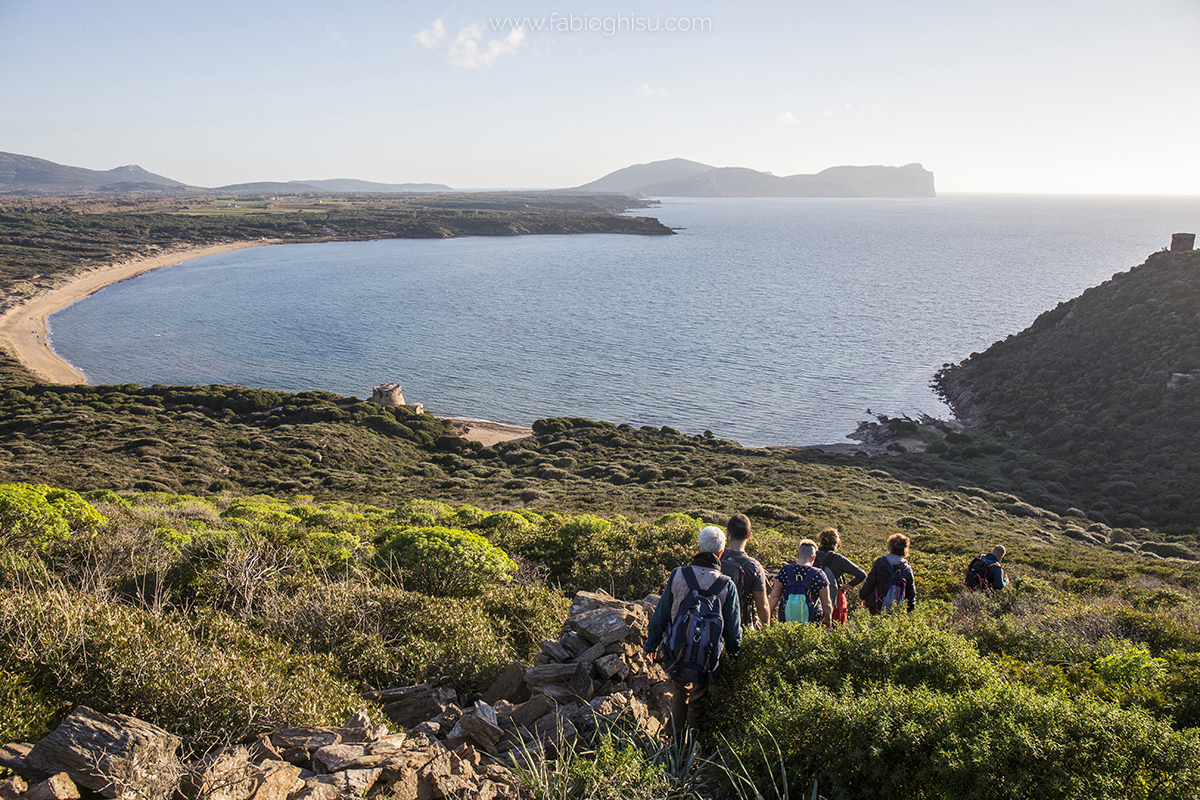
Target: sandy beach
(488, 433)
(23, 328)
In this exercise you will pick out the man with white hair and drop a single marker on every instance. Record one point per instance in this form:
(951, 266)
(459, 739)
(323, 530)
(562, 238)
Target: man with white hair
(690, 591)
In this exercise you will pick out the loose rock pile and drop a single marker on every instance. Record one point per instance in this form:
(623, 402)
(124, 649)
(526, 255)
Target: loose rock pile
(594, 671)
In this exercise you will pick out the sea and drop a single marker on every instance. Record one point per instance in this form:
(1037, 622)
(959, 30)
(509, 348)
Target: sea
(780, 321)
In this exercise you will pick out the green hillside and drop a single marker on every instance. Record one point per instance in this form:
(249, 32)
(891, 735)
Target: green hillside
(1103, 392)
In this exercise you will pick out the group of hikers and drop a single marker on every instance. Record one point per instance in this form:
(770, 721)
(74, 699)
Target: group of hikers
(706, 605)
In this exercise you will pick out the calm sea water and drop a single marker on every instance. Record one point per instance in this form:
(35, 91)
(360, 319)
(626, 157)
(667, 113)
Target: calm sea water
(768, 321)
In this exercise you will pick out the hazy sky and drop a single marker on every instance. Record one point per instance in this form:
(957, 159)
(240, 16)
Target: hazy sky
(1008, 96)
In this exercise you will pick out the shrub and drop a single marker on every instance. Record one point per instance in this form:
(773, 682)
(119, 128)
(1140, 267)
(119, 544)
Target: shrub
(1000, 740)
(32, 515)
(445, 561)
(210, 680)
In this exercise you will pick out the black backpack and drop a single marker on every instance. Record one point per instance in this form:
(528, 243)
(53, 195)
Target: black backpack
(694, 641)
(976, 577)
(743, 573)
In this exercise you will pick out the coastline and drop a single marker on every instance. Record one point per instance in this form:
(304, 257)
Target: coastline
(23, 328)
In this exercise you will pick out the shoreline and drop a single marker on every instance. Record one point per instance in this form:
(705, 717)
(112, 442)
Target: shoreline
(23, 328)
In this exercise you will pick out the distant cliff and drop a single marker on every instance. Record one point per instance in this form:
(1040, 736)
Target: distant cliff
(679, 177)
(1100, 397)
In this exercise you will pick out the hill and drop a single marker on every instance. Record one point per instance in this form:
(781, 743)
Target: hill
(630, 180)
(1105, 390)
(28, 175)
(681, 178)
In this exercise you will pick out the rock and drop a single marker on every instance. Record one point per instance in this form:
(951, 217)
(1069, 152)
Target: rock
(575, 643)
(13, 788)
(509, 686)
(428, 728)
(350, 784)
(118, 756)
(13, 755)
(359, 729)
(532, 710)
(591, 654)
(275, 780)
(224, 775)
(387, 394)
(555, 730)
(555, 650)
(539, 676)
(611, 666)
(418, 704)
(316, 791)
(480, 725)
(604, 625)
(57, 787)
(311, 739)
(590, 601)
(262, 750)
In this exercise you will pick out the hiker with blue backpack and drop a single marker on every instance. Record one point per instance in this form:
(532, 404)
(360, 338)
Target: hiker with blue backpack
(698, 618)
(890, 581)
(803, 589)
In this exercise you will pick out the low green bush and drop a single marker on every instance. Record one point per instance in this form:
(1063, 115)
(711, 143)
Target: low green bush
(208, 679)
(444, 561)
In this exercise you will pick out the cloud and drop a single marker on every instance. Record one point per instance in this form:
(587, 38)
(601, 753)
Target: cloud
(788, 118)
(466, 50)
(646, 90)
(432, 35)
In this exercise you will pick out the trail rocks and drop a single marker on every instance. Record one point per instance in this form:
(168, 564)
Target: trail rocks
(124, 758)
(593, 672)
(118, 756)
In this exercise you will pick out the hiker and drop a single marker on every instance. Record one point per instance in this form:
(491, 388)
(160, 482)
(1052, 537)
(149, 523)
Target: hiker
(836, 566)
(985, 571)
(699, 614)
(803, 588)
(747, 573)
(890, 580)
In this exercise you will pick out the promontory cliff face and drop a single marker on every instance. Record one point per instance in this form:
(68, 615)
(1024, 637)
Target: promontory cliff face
(679, 177)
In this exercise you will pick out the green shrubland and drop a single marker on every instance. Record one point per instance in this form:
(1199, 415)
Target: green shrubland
(220, 616)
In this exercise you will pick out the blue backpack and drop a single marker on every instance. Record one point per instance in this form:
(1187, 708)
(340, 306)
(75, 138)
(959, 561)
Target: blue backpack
(694, 641)
(798, 605)
(889, 596)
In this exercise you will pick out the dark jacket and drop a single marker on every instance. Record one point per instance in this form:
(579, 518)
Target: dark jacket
(878, 578)
(708, 569)
(839, 565)
(734, 563)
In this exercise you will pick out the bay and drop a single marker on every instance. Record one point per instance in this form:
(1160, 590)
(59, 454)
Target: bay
(769, 321)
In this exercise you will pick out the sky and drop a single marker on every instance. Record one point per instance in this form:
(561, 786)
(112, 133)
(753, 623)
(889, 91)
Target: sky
(1012, 96)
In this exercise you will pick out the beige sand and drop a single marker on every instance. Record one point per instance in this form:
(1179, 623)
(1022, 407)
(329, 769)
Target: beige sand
(488, 433)
(23, 328)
